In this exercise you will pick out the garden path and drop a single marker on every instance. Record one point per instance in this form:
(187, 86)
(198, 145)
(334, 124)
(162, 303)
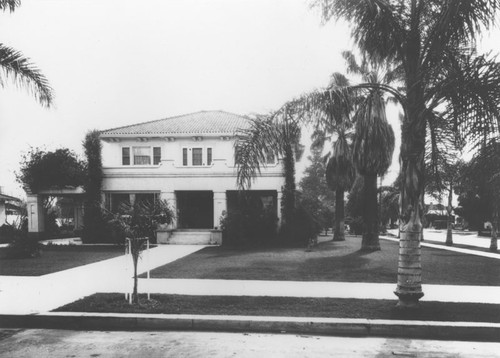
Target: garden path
(31, 295)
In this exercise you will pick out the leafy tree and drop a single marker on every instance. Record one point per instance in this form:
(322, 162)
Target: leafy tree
(354, 206)
(315, 195)
(449, 176)
(94, 225)
(479, 189)
(18, 69)
(44, 170)
(389, 204)
(447, 85)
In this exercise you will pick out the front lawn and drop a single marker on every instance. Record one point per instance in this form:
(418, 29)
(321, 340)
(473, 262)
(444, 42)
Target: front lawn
(330, 261)
(286, 306)
(57, 258)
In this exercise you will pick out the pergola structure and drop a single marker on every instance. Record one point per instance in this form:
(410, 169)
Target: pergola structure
(36, 214)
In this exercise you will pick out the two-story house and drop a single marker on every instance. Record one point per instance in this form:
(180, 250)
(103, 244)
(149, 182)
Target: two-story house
(187, 160)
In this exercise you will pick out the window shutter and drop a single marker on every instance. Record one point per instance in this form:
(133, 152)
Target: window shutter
(156, 155)
(184, 156)
(125, 156)
(209, 156)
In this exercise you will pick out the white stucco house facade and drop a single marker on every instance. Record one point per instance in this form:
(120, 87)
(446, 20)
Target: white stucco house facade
(187, 160)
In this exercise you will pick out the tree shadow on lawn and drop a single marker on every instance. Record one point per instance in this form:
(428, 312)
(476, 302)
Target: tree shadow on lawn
(331, 261)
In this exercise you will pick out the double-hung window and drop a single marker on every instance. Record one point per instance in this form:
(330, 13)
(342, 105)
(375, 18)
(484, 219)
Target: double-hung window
(141, 155)
(196, 156)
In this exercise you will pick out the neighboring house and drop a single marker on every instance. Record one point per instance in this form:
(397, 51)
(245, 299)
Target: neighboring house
(187, 160)
(8, 207)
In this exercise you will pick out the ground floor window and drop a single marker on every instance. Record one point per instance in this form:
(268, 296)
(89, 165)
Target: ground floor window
(116, 202)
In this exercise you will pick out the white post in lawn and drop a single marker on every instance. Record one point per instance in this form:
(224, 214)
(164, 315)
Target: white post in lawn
(128, 251)
(148, 267)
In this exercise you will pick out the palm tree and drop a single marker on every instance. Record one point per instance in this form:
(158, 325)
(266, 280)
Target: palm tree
(330, 112)
(443, 77)
(340, 176)
(270, 138)
(18, 69)
(372, 155)
(373, 140)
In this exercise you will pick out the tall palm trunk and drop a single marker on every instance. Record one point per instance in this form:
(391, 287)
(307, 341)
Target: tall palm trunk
(449, 233)
(494, 229)
(409, 286)
(288, 200)
(370, 240)
(339, 231)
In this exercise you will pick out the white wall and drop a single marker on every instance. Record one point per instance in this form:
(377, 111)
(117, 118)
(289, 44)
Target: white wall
(171, 175)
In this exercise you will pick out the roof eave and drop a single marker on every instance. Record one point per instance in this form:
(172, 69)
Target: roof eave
(166, 135)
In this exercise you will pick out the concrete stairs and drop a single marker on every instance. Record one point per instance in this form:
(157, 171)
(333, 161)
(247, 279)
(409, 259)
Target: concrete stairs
(189, 237)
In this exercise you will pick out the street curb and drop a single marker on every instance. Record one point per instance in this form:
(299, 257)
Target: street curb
(476, 331)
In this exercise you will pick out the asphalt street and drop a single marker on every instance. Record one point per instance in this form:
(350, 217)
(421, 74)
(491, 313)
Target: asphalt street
(73, 344)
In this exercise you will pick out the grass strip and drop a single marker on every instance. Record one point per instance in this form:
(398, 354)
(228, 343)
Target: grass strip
(286, 306)
(55, 258)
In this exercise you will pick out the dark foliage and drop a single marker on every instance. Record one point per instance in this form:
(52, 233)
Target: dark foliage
(20, 245)
(248, 225)
(354, 206)
(44, 170)
(315, 196)
(94, 222)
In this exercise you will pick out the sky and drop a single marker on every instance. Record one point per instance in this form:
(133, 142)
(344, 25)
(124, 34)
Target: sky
(118, 62)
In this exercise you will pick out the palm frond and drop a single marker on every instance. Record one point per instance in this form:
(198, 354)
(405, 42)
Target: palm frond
(17, 68)
(267, 137)
(340, 171)
(374, 138)
(470, 89)
(377, 29)
(9, 5)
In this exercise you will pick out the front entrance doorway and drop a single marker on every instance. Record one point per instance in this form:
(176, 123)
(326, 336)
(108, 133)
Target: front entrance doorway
(195, 209)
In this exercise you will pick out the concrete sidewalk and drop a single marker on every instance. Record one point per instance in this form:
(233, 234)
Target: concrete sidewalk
(316, 289)
(468, 238)
(30, 295)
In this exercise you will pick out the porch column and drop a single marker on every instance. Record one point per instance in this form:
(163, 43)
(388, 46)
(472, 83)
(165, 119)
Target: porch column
(36, 219)
(279, 197)
(220, 206)
(172, 201)
(78, 214)
(3, 213)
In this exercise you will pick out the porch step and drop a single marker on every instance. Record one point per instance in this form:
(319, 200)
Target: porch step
(189, 237)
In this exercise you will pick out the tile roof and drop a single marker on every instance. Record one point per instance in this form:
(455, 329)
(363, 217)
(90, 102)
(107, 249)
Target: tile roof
(204, 122)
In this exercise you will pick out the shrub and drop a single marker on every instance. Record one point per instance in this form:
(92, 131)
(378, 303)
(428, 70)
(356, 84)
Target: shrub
(303, 229)
(246, 227)
(20, 245)
(356, 225)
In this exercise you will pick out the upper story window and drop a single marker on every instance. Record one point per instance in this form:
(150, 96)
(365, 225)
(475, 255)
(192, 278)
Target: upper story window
(196, 156)
(141, 155)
